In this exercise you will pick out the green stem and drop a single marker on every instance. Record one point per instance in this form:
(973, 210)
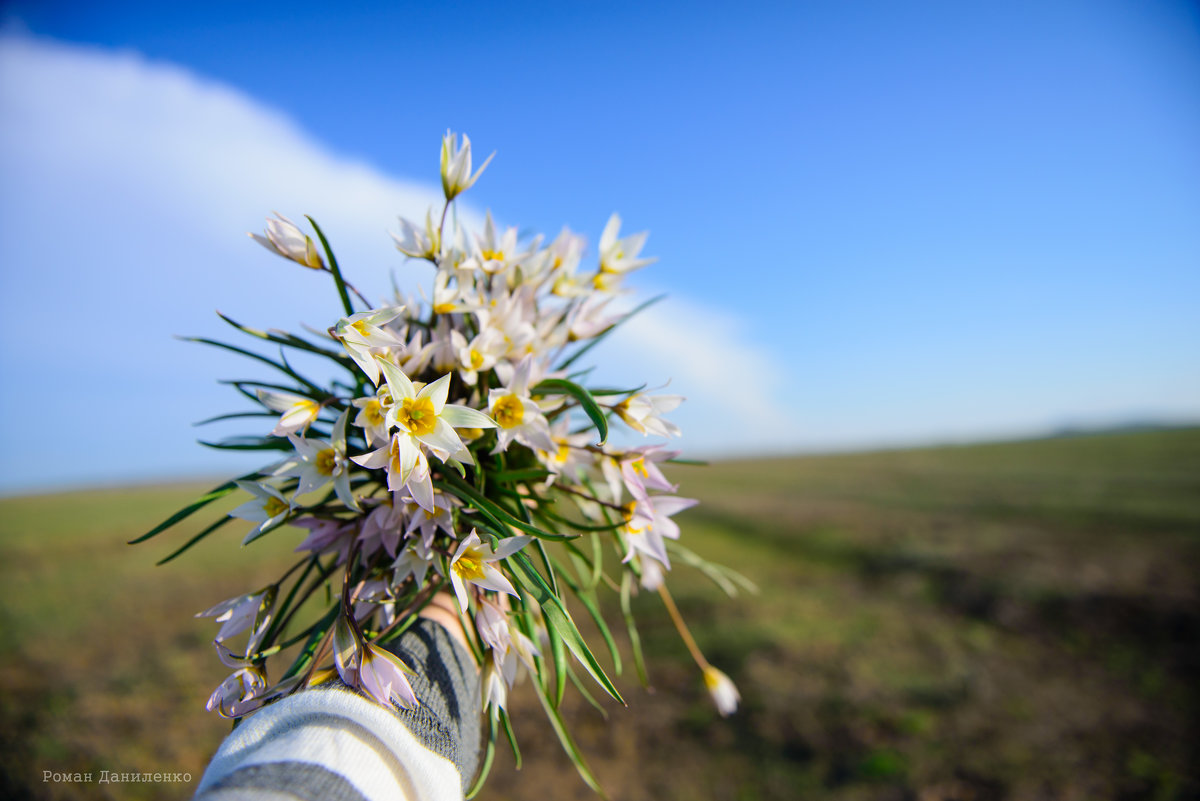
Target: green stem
(333, 268)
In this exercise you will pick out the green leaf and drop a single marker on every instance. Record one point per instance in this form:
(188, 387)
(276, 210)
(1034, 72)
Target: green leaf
(525, 474)
(204, 500)
(727, 579)
(318, 634)
(549, 570)
(566, 521)
(558, 653)
(234, 416)
(512, 738)
(589, 601)
(500, 516)
(292, 341)
(564, 737)
(249, 444)
(634, 640)
(194, 540)
(560, 386)
(587, 696)
(486, 768)
(284, 368)
(333, 267)
(557, 616)
(265, 530)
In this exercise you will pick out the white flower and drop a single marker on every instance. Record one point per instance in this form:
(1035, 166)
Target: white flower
(284, 238)
(267, 508)
(322, 462)
(426, 417)
(423, 418)
(644, 413)
(722, 689)
(640, 472)
(648, 521)
(517, 415)
(372, 416)
(416, 243)
(382, 675)
(383, 526)
(495, 253)
(298, 412)
(236, 614)
(569, 454)
(473, 564)
(413, 561)
(456, 166)
(478, 355)
(407, 467)
(620, 255)
(361, 333)
(235, 696)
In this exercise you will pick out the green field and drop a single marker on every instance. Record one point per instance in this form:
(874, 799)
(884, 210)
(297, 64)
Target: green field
(1008, 621)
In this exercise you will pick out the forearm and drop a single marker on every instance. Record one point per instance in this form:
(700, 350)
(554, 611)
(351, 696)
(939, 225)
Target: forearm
(332, 743)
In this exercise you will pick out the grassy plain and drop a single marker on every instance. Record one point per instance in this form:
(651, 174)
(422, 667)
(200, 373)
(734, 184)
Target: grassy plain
(1003, 621)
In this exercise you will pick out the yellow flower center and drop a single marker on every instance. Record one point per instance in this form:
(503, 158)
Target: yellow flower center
(492, 255)
(627, 510)
(508, 411)
(476, 359)
(470, 433)
(326, 462)
(417, 415)
(373, 413)
(274, 506)
(394, 455)
(443, 308)
(469, 566)
(563, 453)
(639, 466)
(361, 327)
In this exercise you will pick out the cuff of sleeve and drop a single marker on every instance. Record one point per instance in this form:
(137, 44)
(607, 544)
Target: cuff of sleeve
(340, 733)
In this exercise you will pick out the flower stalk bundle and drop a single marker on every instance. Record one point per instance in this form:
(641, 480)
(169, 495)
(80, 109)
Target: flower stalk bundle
(456, 449)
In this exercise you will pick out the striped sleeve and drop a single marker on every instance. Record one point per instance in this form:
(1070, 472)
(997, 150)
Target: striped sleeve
(335, 744)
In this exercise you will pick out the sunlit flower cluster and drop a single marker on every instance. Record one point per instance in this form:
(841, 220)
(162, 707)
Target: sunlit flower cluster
(456, 450)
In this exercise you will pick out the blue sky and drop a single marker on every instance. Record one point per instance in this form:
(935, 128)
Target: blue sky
(879, 223)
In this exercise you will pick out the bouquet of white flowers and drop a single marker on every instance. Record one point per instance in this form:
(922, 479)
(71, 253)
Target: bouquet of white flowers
(457, 447)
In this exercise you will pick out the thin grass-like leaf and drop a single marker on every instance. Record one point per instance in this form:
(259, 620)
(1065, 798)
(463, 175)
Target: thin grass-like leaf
(560, 386)
(631, 627)
(283, 368)
(214, 494)
(249, 444)
(234, 416)
(488, 755)
(209, 530)
(512, 738)
(333, 267)
(583, 690)
(557, 615)
(568, 744)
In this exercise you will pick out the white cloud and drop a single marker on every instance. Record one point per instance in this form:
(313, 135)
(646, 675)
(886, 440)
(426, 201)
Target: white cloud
(732, 385)
(128, 186)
